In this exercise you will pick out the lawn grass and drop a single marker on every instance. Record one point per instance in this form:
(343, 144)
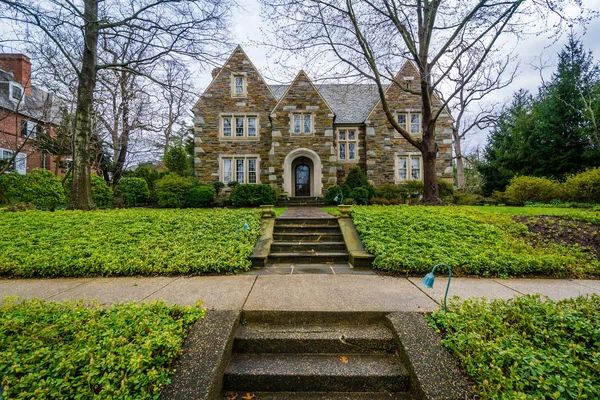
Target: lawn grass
(72, 350)
(126, 242)
(279, 210)
(576, 214)
(412, 239)
(526, 347)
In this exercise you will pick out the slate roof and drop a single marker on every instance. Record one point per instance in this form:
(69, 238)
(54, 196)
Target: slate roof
(351, 103)
(40, 105)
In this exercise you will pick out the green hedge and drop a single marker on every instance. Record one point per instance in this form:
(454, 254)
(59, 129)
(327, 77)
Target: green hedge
(412, 239)
(71, 350)
(126, 242)
(40, 187)
(134, 191)
(172, 189)
(247, 195)
(527, 347)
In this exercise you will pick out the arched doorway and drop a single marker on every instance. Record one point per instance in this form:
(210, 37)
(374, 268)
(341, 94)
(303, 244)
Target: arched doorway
(302, 173)
(302, 180)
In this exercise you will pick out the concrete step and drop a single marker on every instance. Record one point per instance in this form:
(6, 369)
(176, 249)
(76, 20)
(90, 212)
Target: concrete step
(315, 373)
(307, 246)
(308, 236)
(301, 228)
(319, 396)
(305, 221)
(307, 258)
(313, 338)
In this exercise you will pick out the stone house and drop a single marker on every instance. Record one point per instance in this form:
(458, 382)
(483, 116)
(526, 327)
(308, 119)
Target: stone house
(26, 113)
(303, 138)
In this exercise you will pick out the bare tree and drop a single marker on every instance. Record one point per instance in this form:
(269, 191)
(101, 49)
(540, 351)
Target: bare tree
(372, 37)
(166, 27)
(494, 74)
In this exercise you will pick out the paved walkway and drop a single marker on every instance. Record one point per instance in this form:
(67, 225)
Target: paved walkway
(305, 212)
(292, 292)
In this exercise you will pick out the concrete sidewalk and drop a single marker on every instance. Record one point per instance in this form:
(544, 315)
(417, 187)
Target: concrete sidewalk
(293, 292)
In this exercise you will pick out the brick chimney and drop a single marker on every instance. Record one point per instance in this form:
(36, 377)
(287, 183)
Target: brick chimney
(215, 72)
(20, 66)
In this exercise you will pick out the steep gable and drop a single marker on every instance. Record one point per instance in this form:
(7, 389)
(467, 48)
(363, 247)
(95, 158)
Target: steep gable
(298, 92)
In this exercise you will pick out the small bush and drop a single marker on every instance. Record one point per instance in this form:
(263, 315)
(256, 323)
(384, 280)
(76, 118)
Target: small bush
(530, 188)
(149, 173)
(361, 195)
(332, 192)
(583, 187)
(222, 201)
(468, 199)
(356, 178)
(171, 190)
(445, 188)
(134, 191)
(200, 196)
(414, 188)
(233, 184)
(40, 187)
(249, 195)
(349, 201)
(391, 192)
(380, 201)
(218, 186)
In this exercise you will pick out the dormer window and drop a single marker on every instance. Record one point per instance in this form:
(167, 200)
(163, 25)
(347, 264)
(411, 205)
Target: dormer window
(16, 93)
(238, 87)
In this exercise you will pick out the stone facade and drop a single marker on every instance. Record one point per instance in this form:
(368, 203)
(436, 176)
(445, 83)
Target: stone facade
(248, 131)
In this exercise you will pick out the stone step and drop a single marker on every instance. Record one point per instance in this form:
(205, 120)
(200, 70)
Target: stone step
(305, 221)
(320, 236)
(299, 228)
(307, 246)
(315, 373)
(312, 338)
(318, 396)
(307, 258)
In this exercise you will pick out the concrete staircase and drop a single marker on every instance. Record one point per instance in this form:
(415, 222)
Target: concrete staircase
(300, 202)
(309, 241)
(312, 356)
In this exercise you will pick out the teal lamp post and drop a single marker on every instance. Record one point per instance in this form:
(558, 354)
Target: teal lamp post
(430, 278)
(245, 227)
(339, 198)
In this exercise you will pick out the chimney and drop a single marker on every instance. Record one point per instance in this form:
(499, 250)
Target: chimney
(215, 72)
(20, 66)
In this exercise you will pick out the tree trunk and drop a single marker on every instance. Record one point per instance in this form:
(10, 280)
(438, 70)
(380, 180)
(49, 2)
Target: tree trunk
(460, 171)
(430, 189)
(81, 193)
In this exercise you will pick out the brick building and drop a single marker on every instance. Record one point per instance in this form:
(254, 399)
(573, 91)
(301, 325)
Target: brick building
(26, 113)
(303, 138)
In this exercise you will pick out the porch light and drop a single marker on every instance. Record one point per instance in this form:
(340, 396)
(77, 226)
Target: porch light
(429, 279)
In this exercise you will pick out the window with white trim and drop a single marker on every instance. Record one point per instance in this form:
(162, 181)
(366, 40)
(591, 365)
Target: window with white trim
(408, 167)
(19, 164)
(238, 86)
(347, 144)
(16, 93)
(31, 129)
(411, 121)
(239, 169)
(239, 127)
(302, 124)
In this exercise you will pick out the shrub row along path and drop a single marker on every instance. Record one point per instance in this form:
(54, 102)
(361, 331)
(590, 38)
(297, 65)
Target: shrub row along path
(292, 292)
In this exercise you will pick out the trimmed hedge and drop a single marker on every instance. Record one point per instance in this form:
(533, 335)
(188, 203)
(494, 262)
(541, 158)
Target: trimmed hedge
(200, 196)
(526, 348)
(171, 190)
(248, 195)
(72, 350)
(134, 191)
(126, 242)
(530, 188)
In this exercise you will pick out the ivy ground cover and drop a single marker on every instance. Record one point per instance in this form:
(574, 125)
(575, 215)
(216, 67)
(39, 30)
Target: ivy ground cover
(70, 350)
(526, 347)
(126, 242)
(575, 214)
(412, 239)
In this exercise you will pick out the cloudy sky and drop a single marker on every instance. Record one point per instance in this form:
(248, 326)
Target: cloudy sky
(250, 33)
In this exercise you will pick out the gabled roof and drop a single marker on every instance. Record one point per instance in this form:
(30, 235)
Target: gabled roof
(351, 103)
(40, 105)
(302, 76)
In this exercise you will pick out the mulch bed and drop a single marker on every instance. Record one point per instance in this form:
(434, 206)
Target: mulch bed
(563, 231)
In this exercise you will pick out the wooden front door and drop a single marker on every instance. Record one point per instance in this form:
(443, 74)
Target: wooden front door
(302, 180)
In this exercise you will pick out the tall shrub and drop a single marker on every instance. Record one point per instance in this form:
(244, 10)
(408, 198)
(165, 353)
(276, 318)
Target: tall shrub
(583, 187)
(172, 189)
(134, 191)
(40, 187)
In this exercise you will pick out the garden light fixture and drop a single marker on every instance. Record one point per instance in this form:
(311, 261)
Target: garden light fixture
(339, 198)
(245, 227)
(430, 278)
